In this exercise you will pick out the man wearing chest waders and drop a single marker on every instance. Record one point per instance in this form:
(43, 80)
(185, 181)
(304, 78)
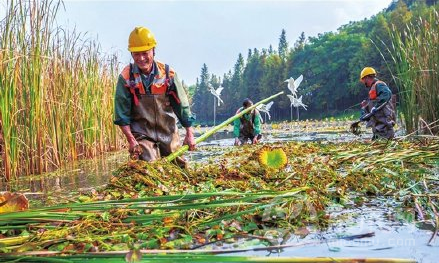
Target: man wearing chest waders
(382, 114)
(148, 99)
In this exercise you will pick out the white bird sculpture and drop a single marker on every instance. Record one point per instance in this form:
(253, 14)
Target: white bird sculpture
(217, 93)
(265, 108)
(297, 102)
(294, 84)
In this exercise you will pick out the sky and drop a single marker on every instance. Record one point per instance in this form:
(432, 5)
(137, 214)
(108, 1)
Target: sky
(214, 32)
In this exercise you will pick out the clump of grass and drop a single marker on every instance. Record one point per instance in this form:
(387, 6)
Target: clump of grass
(415, 54)
(56, 92)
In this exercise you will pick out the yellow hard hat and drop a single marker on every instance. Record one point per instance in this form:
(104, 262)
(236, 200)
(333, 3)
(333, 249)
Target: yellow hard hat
(141, 39)
(366, 72)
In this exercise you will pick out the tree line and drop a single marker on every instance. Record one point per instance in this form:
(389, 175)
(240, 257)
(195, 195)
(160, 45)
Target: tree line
(329, 62)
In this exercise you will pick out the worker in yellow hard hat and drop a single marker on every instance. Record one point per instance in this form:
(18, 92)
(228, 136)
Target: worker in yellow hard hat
(148, 96)
(378, 109)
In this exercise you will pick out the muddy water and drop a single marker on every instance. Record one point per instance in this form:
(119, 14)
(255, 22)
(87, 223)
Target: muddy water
(393, 239)
(64, 184)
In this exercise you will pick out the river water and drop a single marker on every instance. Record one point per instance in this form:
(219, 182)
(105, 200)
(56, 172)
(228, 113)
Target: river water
(392, 239)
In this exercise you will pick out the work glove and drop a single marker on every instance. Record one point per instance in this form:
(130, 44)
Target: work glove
(363, 104)
(365, 117)
(135, 150)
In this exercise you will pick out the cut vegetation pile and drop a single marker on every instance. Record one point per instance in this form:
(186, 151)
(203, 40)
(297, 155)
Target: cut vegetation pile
(235, 196)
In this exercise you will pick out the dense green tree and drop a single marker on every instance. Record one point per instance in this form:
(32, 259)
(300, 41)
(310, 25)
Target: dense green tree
(410, 3)
(325, 64)
(273, 82)
(227, 96)
(376, 55)
(400, 17)
(249, 54)
(236, 84)
(300, 43)
(252, 75)
(283, 45)
(330, 63)
(270, 50)
(201, 106)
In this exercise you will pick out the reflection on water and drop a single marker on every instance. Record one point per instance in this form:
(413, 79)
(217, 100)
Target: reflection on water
(392, 239)
(67, 182)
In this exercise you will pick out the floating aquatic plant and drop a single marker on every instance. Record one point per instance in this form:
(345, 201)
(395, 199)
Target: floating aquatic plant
(160, 206)
(273, 158)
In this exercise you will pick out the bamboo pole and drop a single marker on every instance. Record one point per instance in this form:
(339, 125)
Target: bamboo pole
(207, 134)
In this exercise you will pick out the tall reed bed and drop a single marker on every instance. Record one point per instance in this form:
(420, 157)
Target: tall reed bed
(55, 92)
(415, 53)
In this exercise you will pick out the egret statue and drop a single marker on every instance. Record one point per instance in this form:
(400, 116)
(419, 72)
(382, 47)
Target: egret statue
(296, 102)
(293, 85)
(266, 109)
(216, 93)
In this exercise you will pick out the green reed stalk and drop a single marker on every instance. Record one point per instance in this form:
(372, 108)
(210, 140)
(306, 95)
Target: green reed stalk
(56, 92)
(8, 110)
(415, 54)
(188, 257)
(209, 133)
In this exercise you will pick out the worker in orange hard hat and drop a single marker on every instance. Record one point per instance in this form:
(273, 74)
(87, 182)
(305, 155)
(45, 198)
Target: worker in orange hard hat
(378, 109)
(148, 97)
